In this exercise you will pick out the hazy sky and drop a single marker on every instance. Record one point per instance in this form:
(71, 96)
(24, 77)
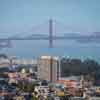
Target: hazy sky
(21, 15)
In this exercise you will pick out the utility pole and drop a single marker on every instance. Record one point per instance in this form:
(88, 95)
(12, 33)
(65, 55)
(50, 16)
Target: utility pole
(58, 69)
(11, 64)
(51, 69)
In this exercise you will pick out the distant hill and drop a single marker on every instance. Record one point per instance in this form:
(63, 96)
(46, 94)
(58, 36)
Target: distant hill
(3, 56)
(96, 34)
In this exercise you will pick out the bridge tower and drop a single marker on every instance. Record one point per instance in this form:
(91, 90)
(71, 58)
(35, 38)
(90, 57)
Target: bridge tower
(50, 33)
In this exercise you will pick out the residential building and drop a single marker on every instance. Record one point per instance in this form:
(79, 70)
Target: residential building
(48, 68)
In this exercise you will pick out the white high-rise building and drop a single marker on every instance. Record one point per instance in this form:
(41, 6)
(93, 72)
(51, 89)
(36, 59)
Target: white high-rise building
(48, 68)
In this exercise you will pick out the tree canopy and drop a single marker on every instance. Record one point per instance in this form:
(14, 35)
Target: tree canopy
(78, 67)
(3, 56)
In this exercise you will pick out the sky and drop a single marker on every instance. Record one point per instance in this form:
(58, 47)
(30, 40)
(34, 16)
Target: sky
(20, 15)
(23, 16)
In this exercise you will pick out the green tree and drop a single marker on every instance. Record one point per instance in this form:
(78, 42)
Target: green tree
(78, 67)
(91, 65)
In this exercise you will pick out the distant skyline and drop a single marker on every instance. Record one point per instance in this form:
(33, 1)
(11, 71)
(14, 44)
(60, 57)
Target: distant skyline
(20, 15)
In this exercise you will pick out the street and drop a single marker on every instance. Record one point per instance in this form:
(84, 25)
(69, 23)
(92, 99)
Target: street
(79, 98)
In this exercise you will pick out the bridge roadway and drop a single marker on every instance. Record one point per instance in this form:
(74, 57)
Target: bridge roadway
(54, 38)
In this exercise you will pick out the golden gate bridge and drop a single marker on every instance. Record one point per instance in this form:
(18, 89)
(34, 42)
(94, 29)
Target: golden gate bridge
(6, 42)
